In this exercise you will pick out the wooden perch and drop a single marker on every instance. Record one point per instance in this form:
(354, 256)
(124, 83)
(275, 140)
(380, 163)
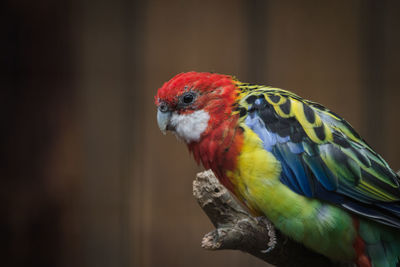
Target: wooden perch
(237, 229)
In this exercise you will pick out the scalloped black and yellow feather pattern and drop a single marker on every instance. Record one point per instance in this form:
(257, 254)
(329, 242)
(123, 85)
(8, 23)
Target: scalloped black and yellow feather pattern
(321, 155)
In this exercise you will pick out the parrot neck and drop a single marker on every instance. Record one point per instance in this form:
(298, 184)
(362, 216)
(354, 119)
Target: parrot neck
(218, 150)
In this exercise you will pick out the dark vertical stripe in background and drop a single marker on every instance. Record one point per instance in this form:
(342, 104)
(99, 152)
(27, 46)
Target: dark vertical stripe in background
(373, 67)
(129, 16)
(257, 40)
(132, 140)
(392, 84)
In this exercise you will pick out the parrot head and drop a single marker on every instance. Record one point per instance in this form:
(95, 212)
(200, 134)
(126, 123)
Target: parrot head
(192, 104)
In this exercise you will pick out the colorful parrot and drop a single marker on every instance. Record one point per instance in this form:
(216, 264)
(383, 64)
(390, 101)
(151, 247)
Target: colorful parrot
(291, 160)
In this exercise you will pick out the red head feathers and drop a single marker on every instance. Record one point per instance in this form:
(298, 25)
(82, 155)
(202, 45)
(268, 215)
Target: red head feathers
(209, 88)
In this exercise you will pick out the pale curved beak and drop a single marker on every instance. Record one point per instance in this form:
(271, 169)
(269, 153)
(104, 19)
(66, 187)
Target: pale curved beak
(163, 119)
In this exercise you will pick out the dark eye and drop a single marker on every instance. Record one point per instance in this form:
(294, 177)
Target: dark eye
(163, 107)
(188, 98)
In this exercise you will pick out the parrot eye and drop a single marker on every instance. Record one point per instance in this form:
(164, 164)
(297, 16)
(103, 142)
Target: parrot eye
(187, 98)
(163, 107)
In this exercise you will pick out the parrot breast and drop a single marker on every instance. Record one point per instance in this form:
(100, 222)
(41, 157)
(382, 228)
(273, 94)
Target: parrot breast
(218, 150)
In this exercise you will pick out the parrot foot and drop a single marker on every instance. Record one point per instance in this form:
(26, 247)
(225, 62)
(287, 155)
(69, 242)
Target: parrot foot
(272, 239)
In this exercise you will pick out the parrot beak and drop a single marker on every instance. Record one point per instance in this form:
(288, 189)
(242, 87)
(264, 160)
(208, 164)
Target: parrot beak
(163, 119)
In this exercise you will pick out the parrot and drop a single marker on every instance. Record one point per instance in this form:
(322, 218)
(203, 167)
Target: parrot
(289, 159)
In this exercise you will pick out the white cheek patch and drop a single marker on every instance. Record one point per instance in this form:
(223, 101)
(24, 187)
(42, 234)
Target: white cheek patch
(189, 127)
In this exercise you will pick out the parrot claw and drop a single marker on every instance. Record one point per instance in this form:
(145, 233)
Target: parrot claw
(272, 240)
(271, 245)
(267, 250)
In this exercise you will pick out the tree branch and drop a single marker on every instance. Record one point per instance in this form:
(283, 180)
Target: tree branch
(237, 229)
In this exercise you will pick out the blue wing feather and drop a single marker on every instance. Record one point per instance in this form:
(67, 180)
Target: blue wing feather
(321, 172)
(298, 167)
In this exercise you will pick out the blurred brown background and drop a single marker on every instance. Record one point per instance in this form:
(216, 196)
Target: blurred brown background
(87, 179)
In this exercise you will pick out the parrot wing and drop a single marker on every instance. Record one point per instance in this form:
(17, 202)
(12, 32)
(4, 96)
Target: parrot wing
(321, 155)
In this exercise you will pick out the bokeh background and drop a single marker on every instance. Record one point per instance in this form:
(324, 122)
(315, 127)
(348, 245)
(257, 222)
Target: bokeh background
(87, 179)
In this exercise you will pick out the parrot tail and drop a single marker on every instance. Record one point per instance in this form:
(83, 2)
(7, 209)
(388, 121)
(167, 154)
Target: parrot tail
(376, 245)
